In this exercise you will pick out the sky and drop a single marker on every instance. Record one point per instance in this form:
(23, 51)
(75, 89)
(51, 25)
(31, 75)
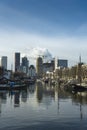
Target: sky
(60, 26)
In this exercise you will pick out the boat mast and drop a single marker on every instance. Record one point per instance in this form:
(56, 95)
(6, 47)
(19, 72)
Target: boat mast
(80, 70)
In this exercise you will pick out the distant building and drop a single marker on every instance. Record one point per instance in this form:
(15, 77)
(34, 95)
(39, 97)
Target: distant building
(4, 62)
(32, 71)
(62, 63)
(56, 63)
(24, 69)
(48, 67)
(25, 65)
(17, 61)
(39, 67)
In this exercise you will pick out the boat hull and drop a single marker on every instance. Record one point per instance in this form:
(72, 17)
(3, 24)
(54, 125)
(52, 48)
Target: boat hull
(15, 87)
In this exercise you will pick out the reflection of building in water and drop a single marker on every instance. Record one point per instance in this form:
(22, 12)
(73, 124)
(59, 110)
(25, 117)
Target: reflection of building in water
(16, 99)
(39, 93)
(49, 91)
(31, 88)
(3, 96)
(24, 96)
(45, 94)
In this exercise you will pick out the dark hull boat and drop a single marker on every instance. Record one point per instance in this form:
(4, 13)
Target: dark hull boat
(14, 87)
(78, 88)
(75, 88)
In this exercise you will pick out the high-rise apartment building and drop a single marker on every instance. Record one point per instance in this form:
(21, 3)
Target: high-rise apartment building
(17, 61)
(4, 62)
(25, 64)
(39, 67)
(32, 71)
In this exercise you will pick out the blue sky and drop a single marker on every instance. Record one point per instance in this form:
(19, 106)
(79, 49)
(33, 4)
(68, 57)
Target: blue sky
(58, 25)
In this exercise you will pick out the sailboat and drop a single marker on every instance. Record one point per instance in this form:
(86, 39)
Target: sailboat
(74, 87)
(79, 87)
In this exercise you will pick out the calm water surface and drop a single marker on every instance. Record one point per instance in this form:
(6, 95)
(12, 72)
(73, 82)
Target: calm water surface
(43, 108)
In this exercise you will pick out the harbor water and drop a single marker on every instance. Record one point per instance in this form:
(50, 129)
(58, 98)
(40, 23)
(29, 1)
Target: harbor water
(43, 107)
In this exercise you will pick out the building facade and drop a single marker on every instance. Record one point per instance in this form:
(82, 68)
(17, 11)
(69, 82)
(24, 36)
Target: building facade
(32, 71)
(39, 67)
(25, 65)
(62, 63)
(4, 62)
(17, 61)
(48, 67)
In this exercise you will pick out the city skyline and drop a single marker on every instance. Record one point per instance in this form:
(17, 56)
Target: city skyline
(58, 25)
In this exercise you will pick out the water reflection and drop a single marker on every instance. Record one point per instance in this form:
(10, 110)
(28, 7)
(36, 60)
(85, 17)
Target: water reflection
(80, 99)
(24, 96)
(46, 96)
(16, 99)
(39, 92)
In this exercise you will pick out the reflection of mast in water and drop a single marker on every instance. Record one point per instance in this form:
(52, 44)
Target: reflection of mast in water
(79, 100)
(58, 103)
(81, 114)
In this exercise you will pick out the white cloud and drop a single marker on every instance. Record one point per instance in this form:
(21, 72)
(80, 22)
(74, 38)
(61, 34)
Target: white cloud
(39, 52)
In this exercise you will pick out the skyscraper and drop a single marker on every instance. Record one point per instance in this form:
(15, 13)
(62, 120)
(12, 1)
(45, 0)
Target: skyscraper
(4, 62)
(17, 61)
(25, 64)
(39, 67)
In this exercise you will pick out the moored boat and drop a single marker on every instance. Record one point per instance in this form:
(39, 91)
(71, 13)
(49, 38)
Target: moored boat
(14, 87)
(75, 87)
